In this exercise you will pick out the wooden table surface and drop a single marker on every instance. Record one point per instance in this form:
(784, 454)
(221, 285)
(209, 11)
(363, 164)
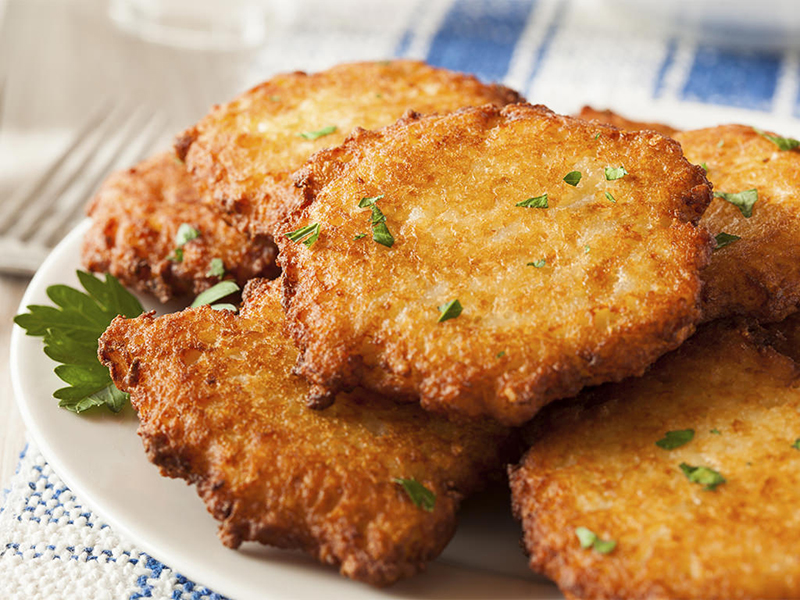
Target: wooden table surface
(12, 431)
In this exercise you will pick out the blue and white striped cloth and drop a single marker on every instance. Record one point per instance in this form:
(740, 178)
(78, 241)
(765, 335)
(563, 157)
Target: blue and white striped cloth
(560, 53)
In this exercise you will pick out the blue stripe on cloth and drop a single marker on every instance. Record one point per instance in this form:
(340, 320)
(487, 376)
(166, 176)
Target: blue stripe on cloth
(547, 41)
(733, 78)
(404, 43)
(479, 36)
(669, 59)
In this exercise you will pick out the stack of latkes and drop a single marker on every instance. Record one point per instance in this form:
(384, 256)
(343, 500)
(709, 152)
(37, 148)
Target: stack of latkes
(433, 271)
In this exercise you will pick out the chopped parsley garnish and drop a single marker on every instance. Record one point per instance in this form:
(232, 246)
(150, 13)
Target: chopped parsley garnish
(675, 439)
(216, 268)
(450, 310)
(724, 239)
(380, 232)
(720, 143)
(597, 135)
(783, 143)
(537, 202)
(500, 354)
(589, 539)
(186, 233)
(537, 263)
(358, 236)
(70, 331)
(586, 249)
(609, 197)
(715, 431)
(217, 292)
(613, 173)
(796, 444)
(313, 135)
(744, 201)
(421, 496)
(573, 178)
(704, 166)
(308, 234)
(704, 476)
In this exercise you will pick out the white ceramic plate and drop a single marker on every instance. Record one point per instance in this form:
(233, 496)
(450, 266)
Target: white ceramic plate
(101, 458)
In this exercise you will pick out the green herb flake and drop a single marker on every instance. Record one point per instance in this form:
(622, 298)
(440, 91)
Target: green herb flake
(176, 256)
(421, 496)
(675, 439)
(70, 331)
(586, 249)
(308, 234)
(613, 173)
(744, 201)
(704, 166)
(705, 476)
(597, 135)
(537, 263)
(216, 268)
(720, 143)
(449, 311)
(380, 232)
(500, 354)
(358, 236)
(186, 233)
(589, 539)
(573, 178)
(783, 143)
(609, 197)
(216, 292)
(715, 431)
(796, 444)
(537, 202)
(313, 135)
(724, 239)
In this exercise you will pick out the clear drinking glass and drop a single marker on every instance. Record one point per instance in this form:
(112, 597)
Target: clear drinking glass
(197, 24)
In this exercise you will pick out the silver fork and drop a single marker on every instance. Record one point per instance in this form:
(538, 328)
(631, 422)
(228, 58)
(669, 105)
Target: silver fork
(35, 218)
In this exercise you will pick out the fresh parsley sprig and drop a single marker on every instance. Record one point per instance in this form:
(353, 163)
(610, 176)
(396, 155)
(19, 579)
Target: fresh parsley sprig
(70, 331)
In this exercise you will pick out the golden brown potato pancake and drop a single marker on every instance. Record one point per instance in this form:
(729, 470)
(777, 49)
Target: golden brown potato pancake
(617, 120)
(219, 407)
(243, 153)
(595, 464)
(590, 289)
(135, 218)
(758, 276)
